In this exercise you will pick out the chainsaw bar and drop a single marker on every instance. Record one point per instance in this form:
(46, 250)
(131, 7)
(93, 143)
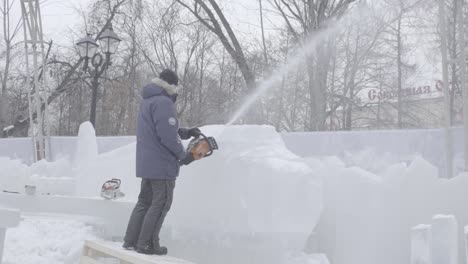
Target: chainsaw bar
(213, 145)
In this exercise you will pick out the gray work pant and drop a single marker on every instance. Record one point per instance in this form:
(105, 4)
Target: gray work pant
(154, 202)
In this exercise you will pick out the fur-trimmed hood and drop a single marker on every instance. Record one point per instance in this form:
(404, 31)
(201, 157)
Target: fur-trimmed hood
(159, 87)
(170, 89)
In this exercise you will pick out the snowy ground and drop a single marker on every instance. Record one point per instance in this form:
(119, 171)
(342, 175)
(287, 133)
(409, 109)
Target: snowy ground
(48, 239)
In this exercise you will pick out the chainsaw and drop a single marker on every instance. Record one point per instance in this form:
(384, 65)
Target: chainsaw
(110, 190)
(202, 146)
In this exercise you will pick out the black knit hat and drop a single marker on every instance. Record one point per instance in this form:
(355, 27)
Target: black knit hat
(169, 76)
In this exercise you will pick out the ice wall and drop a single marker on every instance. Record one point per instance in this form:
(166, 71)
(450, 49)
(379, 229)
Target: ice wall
(371, 150)
(251, 200)
(48, 177)
(17, 148)
(119, 163)
(367, 218)
(367, 149)
(65, 146)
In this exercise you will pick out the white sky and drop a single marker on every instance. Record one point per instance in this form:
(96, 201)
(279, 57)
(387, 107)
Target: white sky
(60, 16)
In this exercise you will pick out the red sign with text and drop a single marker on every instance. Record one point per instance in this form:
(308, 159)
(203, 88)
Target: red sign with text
(382, 95)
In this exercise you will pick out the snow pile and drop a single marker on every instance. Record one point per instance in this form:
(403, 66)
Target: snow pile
(46, 240)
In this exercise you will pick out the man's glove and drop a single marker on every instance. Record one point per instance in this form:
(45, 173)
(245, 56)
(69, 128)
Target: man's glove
(187, 160)
(194, 132)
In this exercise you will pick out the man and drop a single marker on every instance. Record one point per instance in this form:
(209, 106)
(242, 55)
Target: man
(159, 154)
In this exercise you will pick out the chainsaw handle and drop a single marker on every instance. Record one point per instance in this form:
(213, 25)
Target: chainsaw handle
(201, 135)
(118, 181)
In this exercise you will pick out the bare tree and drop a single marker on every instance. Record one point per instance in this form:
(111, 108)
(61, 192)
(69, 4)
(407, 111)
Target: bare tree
(10, 31)
(20, 125)
(396, 33)
(302, 19)
(210, 14)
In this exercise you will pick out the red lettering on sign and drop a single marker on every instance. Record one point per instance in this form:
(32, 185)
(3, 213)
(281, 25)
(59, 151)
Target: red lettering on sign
(372, 94)
(375, 94)
(419, 90)
(440, 85)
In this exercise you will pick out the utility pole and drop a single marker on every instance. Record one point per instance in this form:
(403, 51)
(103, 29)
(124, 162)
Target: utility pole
(448, 114)
(463, 75)
(35, 54)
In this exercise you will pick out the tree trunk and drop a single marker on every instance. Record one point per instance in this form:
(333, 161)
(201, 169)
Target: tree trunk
(263, 33)
(349, 110)
(453, 54)
(400, 81)
(317, 100)
(317, 89)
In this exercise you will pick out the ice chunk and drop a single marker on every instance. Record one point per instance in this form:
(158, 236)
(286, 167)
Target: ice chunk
(252, 184)
(421, 169)
(444, 239)
(421, 244)
(86, 146)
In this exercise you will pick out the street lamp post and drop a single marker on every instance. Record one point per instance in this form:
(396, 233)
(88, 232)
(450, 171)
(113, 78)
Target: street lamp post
(88, 50)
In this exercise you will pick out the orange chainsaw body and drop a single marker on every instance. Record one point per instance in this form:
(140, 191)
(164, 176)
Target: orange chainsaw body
(201, 147)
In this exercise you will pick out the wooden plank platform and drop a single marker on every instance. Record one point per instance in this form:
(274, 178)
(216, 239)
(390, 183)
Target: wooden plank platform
(96, 251)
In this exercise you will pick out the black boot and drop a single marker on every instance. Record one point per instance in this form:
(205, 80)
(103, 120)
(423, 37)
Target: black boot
(160, 250)
(148, 250)
(129, 245)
